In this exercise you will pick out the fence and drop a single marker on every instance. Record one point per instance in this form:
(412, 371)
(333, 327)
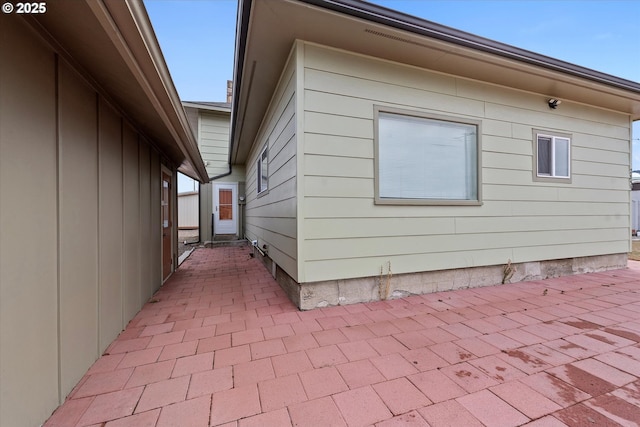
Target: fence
(188, 215)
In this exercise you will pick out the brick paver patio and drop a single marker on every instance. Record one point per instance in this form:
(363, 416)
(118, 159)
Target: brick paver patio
(220, 344)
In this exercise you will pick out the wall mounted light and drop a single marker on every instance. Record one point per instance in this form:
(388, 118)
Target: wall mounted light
(553, 103)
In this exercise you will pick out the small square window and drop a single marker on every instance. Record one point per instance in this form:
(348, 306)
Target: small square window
(263, 171)
(552, 156)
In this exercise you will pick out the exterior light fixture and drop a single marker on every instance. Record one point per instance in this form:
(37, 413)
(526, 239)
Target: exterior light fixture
(553, 103)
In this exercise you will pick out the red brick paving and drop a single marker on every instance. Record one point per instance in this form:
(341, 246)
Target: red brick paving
(221, 345)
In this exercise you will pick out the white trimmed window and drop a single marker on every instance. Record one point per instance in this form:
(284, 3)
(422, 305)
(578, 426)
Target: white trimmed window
(426, 159)
(552, 156)
(263, 171)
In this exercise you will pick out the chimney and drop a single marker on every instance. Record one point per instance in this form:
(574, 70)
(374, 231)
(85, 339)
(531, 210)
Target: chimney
(229, 91)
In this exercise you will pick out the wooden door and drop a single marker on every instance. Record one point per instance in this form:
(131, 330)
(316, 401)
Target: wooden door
(167, 226)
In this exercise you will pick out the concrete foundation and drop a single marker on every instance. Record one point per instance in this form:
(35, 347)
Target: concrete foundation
(308, 296)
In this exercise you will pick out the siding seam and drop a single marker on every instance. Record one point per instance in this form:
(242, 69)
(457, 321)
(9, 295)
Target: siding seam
(122, 223)
(98, 252)
(58, 221)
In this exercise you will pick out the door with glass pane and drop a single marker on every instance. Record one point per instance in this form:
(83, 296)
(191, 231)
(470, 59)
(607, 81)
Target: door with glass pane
(225, 209)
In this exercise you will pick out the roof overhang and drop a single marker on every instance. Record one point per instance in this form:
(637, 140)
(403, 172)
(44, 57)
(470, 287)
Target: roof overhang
(267, 29)
(219, 107)
(112, 43)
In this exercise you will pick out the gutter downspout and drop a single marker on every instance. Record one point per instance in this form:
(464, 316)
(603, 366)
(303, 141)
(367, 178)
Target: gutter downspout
(213, 178)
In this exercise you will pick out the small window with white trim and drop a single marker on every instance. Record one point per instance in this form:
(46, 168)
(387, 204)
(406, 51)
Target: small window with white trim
(263, 171)
(552, 156)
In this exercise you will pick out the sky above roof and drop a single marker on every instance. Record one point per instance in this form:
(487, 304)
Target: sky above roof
(197, 37)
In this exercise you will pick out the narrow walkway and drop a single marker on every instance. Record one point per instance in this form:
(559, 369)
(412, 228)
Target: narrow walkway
(220, 344)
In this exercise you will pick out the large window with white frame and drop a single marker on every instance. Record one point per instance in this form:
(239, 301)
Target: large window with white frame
(426, 159)
(552, 156)
(262, 180)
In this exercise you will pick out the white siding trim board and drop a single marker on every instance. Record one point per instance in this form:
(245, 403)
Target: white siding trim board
(291, 283)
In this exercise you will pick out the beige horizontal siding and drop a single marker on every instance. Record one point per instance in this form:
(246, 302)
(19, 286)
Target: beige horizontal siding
(351, 92)
(336, 145)
(331, 124)
(213, 141)
(501, 144)
(598, 155)
(214, 151)
(552, 121)
(350, 207)
(600, 169)
(348, 64)
(338, 166)
(339, 228)
(380, 246)
(346, 235)
(278, 193)
(570, 208)
(341, 186)
(523, 177)
(335, 269)
(470, 225)
(499, 128)
(284, 208)
(508, 97)
(508, 191)
(581, 249)
(506, 161)
(271, 216)
(283, 151)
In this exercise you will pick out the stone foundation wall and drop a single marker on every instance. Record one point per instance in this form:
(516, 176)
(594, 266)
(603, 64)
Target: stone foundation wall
(308, 296)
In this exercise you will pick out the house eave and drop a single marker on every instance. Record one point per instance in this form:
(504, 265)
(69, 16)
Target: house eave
(266, 30)
(219, 107)
(113, 45)
(412, 24)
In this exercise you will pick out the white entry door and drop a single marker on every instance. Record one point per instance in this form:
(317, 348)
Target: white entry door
(225, 208)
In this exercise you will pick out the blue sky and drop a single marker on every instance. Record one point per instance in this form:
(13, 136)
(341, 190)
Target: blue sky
(197, 36)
